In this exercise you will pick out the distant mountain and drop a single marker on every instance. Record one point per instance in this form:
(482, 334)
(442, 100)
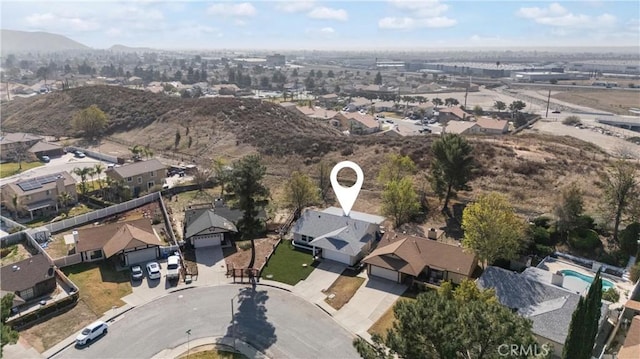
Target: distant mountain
(123, 48)
(22, 41)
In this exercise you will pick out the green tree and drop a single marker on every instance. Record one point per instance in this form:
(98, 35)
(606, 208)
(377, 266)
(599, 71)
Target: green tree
(300, 191)
(378, 79)
(620, 187)
(176, 141)
(19, 153)
(477, 110)
(629, 238)
(400, 201)
(517, 106)
(248, 194)
(451, 166)
(436, 101)
(8, 335)
(395, 168)
(569, 210)
(82, 172)
(221, 172)
(91, 122)
(98, 169)
(65, 199)
(438, 326)
(500, 106)
(491, 228)
(584, 323)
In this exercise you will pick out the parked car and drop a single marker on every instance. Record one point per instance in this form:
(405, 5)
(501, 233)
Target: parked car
(556, 111)
(79, 154)
(45, 159)
(153, 270)
(173, 267)
(136, 272)
(91, 332)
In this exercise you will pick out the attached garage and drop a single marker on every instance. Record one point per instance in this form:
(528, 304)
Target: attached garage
(141, 256)
(338, 256)
(384, 273)
(207, 241)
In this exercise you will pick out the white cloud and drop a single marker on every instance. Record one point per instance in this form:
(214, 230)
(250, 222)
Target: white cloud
(422, 8)
(55, 21)
(295, 6)
(557, 16)
(327, 30)
(244, 9)
(406, 23)
(326, 13)
(135, 14)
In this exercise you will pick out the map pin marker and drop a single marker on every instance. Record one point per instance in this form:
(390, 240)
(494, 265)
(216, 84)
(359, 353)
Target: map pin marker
(346, 195)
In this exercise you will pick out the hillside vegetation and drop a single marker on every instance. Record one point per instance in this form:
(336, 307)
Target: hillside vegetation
(530, 169)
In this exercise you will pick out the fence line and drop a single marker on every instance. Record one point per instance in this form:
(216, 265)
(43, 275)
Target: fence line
(68, 260)
(94, 154)
(102, 213)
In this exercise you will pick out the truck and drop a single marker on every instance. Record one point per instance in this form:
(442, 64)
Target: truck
(173, 267)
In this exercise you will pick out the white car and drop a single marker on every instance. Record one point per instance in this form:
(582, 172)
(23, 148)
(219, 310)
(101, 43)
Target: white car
(91, 332)
(153, 270)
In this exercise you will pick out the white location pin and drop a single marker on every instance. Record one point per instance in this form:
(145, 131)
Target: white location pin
(346, 195)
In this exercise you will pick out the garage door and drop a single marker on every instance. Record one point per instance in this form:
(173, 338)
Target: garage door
(141, 256)
(207, 241)
(336, 256)
(384, 273)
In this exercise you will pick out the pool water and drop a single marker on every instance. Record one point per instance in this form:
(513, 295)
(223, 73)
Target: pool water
(585, 278)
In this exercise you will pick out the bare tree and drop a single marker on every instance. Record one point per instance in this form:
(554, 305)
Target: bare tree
(621, 188)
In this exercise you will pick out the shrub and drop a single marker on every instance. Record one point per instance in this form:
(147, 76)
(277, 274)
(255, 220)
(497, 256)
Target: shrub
(586, 222)
(540, 235)
(611, 295)
(617, 258)
(244, 245)
(542, 221)
(629, 239)
(585, 240)
(572, 121)
(543, 251)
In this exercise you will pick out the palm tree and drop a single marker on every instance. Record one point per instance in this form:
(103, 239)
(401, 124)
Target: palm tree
(82, 173)
(98, 169)
(136, 151)
(15, 201)
(64, 199)
(147, 151)
(91, 172)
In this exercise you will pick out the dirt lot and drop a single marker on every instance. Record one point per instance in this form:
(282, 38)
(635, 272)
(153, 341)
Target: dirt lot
(240, 255)
(615, 101)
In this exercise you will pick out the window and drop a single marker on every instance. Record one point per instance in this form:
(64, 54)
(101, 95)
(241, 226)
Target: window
(96, 254)
(153, 173)
(139, 179)
(28, 197)
(48, 192)
(303, 238)
(27, 294)
(150, 184)
(129, 179)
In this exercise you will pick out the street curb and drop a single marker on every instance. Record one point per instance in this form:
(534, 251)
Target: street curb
(326, 311)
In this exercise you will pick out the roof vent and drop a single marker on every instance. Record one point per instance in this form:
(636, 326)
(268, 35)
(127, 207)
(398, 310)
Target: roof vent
(15, 268)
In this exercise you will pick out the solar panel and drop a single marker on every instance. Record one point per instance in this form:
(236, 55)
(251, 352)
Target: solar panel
(29, 185)
(47, 179)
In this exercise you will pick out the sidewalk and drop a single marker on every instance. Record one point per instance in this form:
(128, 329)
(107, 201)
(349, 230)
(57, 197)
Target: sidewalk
(239, 345)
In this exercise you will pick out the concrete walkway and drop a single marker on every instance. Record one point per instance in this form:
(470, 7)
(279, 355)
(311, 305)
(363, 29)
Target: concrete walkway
(239, 345)
(20, 350)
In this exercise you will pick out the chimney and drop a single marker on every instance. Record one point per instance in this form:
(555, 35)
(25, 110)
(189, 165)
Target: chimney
(557, 279)
(60, 185)
(75, 236)
(432, 234)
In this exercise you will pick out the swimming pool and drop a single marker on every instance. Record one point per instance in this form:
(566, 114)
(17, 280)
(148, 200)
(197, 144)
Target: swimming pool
(569, 273)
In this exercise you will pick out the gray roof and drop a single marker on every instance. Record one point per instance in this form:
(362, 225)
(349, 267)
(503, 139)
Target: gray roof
(549, 307)
(18, 137)
(233, 214)
(371, 218)
(335, 232)
(202, 219)
(44, 146)
(137, 168)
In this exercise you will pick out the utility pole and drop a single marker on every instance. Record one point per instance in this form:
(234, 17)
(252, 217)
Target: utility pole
(548, 100)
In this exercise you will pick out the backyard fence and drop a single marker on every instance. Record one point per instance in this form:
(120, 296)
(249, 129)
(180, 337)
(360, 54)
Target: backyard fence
(9, 223)
(94, 154)
(68, 260)
(12, 239)
(102, 213)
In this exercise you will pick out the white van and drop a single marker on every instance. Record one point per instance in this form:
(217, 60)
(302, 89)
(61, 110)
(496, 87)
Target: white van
(91, 332)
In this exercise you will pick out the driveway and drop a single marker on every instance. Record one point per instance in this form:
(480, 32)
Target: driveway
(58, 164)
(146, 290)
(212, 268)
(372, 299)
(320, 278)
(274, 321)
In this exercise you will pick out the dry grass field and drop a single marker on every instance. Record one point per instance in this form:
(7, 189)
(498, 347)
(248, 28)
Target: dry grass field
(616, 101)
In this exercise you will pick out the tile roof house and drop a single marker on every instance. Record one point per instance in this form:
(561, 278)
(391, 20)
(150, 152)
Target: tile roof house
(453, 113)
(140, 176)
(28, 279)
(358, 123)
(631, 346)
(548, 306)
(203, 227)
(9, 141)
(331, 235)
(46, 149)
(492, 126)
(39, 195)
(461, 127)
(403, 258)
(133, 242)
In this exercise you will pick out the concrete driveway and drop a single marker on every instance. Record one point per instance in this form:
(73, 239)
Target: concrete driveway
(372, 299)
(212, 268)
(320, 278)
(146, 290)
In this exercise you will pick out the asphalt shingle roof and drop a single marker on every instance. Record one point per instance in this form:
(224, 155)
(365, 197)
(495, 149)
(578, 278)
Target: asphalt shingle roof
(136, 168)
(203, 219)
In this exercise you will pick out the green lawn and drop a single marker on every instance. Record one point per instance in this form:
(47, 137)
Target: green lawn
(100, 285)
(11, 168)
(286, 264)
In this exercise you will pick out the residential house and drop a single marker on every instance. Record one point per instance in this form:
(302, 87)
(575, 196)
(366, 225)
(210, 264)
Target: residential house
(386, 106)
(140, 176)
(10, 141)
(204, 228)
(332, 235)
(28, 279)
(357, 123)
(357, 104)
(405, 259)
(631, 347)
(461, 127)
(453, 113)
(39, 195)
(130, 242)
(323, 114)
(46, 149)
(492, 126)
(329, 100)
(532, 295)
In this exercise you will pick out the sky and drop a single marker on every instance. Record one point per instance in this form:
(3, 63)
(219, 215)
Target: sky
(340, 25)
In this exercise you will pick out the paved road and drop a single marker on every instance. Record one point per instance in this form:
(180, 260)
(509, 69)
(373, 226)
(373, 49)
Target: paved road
(274, 321)
(65, 163)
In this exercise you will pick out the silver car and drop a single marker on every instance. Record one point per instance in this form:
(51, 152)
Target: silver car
(153, 270)
(91, 332)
